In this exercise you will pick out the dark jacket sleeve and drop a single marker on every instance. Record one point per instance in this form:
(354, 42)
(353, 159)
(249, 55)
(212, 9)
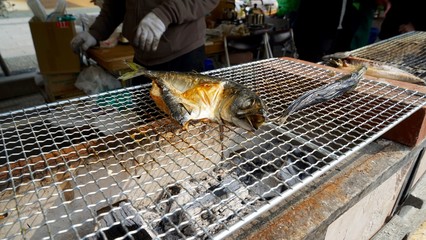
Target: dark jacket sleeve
(181, 11)
(111, 15)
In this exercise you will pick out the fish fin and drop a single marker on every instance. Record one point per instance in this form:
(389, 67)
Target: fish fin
(137, 70)
(126, 76)
(185, 126)
(177, 109)
(134, 66)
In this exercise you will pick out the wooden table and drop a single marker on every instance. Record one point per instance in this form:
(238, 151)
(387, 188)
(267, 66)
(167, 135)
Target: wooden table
(112, 59)
(214, 47)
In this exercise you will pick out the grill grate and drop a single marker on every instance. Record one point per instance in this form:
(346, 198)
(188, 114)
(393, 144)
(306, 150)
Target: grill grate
(407, 51)
(69, 168)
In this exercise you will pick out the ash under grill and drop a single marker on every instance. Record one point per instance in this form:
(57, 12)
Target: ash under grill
(407, 51)
(114, 164)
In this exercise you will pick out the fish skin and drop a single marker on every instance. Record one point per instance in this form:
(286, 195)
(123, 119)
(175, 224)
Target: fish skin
(190, 97)
(343, 60)
(324, 93)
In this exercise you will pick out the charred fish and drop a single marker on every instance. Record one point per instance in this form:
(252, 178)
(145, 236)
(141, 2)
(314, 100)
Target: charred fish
(190, 97)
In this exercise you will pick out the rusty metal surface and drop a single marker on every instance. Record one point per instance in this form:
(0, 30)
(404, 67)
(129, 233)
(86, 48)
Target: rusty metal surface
(62, 164)
(311, 214)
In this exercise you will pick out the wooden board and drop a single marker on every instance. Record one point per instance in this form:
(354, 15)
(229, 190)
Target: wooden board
(214, 47)
(112, 59)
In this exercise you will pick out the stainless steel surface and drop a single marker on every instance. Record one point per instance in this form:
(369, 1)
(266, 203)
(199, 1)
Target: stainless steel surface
(407, 51)
(63, 164)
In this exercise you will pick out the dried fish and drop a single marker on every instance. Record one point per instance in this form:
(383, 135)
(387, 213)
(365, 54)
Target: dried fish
(326, 92)
(190, 97)
(343, 60)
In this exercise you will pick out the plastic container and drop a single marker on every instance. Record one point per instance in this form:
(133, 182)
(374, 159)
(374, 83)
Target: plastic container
(38, 10)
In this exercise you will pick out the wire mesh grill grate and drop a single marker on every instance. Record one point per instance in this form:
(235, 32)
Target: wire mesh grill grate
(407, 51)
(70, 168)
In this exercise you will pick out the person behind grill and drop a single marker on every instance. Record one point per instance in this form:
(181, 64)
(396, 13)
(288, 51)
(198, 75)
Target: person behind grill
(167, 35)
(323, 27)
(403, 16)
(364, 16)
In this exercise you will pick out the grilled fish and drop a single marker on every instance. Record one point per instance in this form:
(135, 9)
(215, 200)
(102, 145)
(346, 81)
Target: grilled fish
(343, 60)
(326, 92)
(190, 97)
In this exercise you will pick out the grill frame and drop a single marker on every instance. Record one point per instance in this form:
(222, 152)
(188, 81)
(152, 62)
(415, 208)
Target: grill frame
(404, 50)
(336, 157)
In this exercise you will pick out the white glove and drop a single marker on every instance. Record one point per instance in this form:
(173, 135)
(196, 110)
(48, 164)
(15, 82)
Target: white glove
(83, 40)
(149, 32)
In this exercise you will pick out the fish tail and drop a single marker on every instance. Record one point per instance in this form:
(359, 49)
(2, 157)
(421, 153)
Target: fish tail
(326, 92)
(359, 72)
(136, 70)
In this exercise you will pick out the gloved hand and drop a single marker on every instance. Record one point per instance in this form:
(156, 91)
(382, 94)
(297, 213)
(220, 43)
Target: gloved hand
(149, 32)
(82, 40)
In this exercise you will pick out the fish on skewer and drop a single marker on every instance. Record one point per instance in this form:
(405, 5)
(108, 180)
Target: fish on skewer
(190, 97)
(344, 60)
(326, 92)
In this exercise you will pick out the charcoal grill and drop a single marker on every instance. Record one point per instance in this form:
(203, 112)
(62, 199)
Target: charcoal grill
(69, 168)
(407, 51)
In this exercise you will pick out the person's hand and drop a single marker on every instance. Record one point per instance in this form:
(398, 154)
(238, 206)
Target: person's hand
(83, 40)
(149, 32)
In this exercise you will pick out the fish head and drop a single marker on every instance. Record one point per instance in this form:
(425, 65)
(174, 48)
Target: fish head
(245, 109)
(334, 62)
